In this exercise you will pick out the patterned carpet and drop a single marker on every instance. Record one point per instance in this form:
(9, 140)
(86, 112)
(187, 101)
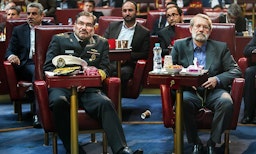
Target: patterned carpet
(149, 134)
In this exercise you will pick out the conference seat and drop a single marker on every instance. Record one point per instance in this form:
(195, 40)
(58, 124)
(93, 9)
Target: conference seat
(17, 87)
(205, 116)
(85, 122)
(134, 85)
(63, 15)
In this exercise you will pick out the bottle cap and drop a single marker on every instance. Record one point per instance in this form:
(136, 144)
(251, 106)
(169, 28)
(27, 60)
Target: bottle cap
(157, 44)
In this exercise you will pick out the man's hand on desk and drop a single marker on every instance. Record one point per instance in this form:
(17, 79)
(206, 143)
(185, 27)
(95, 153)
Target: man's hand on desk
(80, 88)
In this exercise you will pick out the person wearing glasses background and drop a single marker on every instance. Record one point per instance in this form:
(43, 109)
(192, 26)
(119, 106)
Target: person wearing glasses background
(21, 49)
(167, 35)
(93, 100)
(214, 94)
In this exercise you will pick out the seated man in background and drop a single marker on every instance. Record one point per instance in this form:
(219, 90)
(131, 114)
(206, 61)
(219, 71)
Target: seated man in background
(21, 49)
(161, 22)
(214, 94)
(234, 15)
(137, 36)
(167, 35)
(12, 13)
(89, 6)
(93, 100)
(50, 7)
(249, 87)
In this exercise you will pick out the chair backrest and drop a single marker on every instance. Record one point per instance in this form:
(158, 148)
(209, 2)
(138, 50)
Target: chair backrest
(43, 37)
(117, 11)
(63, 15)
(224, 32)
(105, 20)
(152, 16)
(105, 10)
(11, 23)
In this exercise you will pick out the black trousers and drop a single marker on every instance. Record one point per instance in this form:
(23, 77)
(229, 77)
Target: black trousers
(249, 92)
(97, 105)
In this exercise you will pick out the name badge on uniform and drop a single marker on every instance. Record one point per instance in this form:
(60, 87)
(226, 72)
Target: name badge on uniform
(69, 51)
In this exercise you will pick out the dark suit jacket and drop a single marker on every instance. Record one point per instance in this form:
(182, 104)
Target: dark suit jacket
(67, 44)
(158, 25)
(219, 61)
(165, 36)
(140, 41)
(19, 44)
(250, 46)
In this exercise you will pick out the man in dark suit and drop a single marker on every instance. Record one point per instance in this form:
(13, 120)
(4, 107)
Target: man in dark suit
(93, 100)
(167, 35)
(214, 94)
(137, 36)
(161, 22)
(89, 6)
(21, 47)
(249, 87)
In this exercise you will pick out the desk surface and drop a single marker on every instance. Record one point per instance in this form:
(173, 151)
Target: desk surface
(177, 80)
(72, 81)
(120, 54)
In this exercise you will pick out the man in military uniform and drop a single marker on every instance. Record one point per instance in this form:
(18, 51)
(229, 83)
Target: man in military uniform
(94, 50)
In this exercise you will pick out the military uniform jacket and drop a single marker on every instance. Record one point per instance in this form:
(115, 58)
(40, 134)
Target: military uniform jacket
(95, 52)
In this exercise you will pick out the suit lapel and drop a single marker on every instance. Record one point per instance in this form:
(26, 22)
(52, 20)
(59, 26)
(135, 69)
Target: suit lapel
(189, 52)
(210, 52)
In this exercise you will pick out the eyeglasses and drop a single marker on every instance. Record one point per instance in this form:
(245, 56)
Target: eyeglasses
(80, 23)
(205, 27)
(172, 15)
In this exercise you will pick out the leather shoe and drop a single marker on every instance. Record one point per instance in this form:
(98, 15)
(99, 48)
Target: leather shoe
(197, 149)
(211, 150)
(127, 150)
(246, 120)
(36, 123)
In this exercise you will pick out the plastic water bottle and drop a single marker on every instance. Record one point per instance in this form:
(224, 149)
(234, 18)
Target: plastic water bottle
(247, 23)
(70, 22)
(250, 28)
(223, 4)
(157, 60)
(180, 3)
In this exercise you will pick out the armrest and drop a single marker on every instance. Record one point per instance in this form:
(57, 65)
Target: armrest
(11, 79)
(45, 115)
(134, 84)
(167, 106)
(112, 86)
(236, 94)
(243, 63)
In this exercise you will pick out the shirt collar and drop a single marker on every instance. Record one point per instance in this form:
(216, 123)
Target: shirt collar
(203, 47)
(91, 40)
(131, 28)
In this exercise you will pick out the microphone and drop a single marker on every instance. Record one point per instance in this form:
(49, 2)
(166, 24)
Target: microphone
(145, 114)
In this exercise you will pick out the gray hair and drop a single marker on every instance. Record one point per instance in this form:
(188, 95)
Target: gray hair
(203, 16)
(37, 5)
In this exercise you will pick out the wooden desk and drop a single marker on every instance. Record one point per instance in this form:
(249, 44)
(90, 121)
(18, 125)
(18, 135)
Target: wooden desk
(118, 55)
(73, 82)
(177, 81)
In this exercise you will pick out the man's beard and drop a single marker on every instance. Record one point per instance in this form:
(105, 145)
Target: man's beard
(200, 37)
(129, 19)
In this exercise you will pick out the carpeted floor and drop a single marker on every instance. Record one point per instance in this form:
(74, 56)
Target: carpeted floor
(149, 134)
